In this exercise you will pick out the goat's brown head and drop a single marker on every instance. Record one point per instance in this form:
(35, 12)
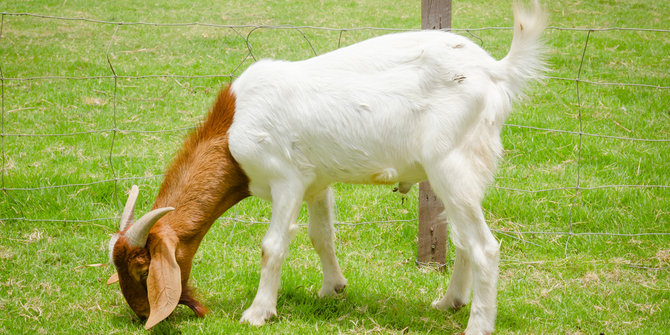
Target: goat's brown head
(148, 274)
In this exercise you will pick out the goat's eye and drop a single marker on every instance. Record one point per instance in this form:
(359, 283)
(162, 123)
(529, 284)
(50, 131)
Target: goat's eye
(144, 275)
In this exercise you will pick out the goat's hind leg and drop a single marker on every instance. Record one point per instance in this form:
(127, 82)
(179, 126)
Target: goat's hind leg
(322, 235)
(461, 190)
(460, 284)
(473, 235)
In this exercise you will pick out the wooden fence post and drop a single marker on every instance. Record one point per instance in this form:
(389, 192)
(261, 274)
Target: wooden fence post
(432, 249)
(435, 14)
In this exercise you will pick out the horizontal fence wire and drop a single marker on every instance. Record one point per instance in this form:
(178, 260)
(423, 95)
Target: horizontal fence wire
(115, 130)
(184, 24)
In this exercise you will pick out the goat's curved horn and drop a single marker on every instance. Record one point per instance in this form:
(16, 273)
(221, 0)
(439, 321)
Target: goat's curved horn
(127, 215)
(137, 233)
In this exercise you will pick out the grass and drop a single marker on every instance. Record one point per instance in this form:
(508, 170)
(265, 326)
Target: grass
(550, 282)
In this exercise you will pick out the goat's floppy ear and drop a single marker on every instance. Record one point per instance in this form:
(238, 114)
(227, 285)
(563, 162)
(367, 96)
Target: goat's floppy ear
(113, 278)
(163, 283)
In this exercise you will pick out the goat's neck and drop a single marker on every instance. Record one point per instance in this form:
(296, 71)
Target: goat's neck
(203, 181)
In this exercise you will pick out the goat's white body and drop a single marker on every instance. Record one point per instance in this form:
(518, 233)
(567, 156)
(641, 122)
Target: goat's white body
(400, 108)
(371, 113)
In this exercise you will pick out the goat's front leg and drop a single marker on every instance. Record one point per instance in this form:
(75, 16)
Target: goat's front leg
(322, 235)
(285, 206)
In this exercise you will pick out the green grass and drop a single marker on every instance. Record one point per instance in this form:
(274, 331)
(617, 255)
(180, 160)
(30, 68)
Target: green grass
(549, 283)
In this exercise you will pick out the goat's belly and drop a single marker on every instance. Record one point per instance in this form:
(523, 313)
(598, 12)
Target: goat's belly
(366, 173)
(260, 186)
(315, 172)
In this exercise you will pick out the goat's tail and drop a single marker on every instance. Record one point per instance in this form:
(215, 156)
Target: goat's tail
(525, 59)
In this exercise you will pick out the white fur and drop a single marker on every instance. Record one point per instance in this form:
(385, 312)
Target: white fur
(400, 108)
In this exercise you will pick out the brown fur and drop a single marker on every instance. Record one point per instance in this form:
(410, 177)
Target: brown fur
(203, 181)
(134, 263)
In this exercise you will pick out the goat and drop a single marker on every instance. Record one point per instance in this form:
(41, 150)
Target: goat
(400, 108)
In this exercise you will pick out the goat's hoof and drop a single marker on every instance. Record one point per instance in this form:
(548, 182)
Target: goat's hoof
(340, 288)
(457, 304)
(331, 290)
(256, 316)
(445, 304)
(466, 332)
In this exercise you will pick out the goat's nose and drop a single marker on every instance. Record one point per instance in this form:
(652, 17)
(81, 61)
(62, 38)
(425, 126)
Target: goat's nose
(141, 312)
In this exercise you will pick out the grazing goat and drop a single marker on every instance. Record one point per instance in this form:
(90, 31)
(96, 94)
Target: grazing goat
(400, 108)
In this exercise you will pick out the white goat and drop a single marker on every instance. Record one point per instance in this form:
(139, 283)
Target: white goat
(399, 108)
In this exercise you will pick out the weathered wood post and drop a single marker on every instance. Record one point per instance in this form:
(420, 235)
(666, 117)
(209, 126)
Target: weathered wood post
(435, 14)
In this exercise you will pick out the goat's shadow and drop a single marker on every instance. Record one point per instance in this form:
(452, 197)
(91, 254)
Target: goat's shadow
(127, 319)
(355, 309)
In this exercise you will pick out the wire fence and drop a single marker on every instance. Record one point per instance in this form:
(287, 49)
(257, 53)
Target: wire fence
(245, 36)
